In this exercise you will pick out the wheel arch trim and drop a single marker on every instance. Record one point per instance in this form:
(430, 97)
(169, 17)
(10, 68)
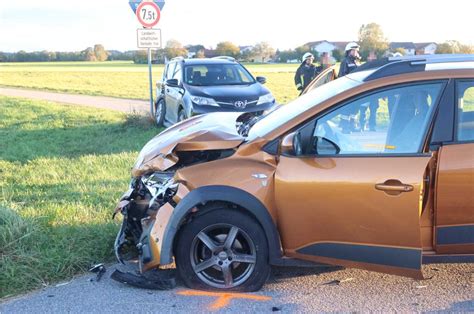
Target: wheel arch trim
(205, 194)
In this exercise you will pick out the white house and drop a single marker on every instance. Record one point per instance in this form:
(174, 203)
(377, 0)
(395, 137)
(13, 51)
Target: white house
(321, 47)
(324, 46)
(426, 48)
(409, 47)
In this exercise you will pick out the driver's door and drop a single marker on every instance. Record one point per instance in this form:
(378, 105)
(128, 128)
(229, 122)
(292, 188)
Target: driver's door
(353, 197)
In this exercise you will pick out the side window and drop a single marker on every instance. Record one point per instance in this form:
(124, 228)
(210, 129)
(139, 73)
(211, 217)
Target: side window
(170, 70)
(465, 111)
(390, 121)
(178, 73)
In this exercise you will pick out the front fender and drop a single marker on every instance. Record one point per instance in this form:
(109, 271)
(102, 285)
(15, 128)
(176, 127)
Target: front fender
(201, 196)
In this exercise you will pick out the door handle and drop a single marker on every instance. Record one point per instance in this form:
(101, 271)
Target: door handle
(393, 186)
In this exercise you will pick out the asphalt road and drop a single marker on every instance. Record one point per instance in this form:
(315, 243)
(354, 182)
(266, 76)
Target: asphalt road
(118, 104)
(450, 287)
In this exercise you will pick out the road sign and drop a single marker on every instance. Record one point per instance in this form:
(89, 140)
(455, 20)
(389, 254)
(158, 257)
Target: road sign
(149, 38)
(134, 4)
(148, 13)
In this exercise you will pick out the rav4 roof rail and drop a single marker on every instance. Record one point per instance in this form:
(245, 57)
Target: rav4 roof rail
(177, 58)
(408, 64)
(224, 57)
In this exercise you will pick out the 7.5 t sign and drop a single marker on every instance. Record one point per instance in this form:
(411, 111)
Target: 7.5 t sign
(148, 13)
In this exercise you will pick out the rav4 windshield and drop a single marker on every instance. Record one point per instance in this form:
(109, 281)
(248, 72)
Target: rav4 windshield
(217, 74)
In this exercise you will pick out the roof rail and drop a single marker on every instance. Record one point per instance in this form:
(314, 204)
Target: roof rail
(225, 58)
(408, 64)
(440, 58)
(177, 58)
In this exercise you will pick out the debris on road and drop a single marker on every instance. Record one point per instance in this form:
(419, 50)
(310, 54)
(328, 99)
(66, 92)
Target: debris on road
(156, 279)
(99, 269)
(63, 283)
(338, 282)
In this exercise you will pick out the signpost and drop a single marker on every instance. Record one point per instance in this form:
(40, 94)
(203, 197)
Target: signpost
(148, 13)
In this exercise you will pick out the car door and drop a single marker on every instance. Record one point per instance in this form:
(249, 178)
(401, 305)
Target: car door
(351, 196)
(324, 77)
(454, 206)
(169, 94)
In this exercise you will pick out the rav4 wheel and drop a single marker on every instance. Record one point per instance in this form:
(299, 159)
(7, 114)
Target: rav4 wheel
(223, 250)
(160, 112)
(181, 115)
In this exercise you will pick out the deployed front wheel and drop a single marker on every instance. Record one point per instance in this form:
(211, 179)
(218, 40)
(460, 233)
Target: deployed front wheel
(223, 249)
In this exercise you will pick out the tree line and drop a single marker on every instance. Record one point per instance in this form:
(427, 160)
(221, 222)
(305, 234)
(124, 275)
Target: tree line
(96, 53)
(371, 40)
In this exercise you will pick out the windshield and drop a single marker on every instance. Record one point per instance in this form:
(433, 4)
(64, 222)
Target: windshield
(217, 74)
(293, 109)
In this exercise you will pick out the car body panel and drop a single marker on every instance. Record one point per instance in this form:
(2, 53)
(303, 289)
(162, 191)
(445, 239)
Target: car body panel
(334, 203)
(198, 133)
(455, 199)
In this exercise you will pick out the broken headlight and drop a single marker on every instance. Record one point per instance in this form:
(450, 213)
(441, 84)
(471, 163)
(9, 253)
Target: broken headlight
(161, 186)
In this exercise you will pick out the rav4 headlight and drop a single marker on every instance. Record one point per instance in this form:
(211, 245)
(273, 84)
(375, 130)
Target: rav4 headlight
(204, 101)
(265, 99)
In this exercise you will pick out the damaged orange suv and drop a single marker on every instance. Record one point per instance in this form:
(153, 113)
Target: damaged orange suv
(373, 170)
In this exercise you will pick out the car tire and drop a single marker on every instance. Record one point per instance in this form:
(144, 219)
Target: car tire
(181, 115)
(207, 259)
(160, 111)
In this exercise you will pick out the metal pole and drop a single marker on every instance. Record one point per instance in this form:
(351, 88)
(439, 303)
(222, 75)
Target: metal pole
(151, 81)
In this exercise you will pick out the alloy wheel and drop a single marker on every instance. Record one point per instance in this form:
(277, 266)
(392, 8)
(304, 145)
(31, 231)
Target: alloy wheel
(223, 256)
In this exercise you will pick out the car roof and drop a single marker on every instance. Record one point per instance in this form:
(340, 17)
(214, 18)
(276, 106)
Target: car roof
(198, 61)
(420, 63)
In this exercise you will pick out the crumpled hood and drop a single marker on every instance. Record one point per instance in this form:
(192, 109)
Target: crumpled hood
(204, 132)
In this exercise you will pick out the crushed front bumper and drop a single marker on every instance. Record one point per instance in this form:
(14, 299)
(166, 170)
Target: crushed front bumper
(146, 209)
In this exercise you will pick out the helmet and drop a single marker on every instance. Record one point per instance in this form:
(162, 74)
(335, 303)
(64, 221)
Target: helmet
(307, 55)
(352, 45)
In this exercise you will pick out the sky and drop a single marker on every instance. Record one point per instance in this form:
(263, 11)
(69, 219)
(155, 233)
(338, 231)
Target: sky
(62, 25)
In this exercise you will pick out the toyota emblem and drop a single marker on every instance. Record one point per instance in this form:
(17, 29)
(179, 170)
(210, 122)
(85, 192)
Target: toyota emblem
(239, 104)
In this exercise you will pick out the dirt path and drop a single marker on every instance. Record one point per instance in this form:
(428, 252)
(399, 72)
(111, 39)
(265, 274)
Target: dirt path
(123, 105)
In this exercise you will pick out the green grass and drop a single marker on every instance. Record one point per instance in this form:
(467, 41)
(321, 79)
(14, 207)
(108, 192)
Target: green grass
(122, 79)
(62, 170)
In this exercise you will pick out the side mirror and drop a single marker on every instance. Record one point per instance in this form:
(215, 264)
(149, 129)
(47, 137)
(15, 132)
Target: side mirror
(326, 147)
(173, 83)
(287, 144)
(261, 79)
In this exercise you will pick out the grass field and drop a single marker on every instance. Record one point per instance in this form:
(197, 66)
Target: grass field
(61, 171)
(122, 79)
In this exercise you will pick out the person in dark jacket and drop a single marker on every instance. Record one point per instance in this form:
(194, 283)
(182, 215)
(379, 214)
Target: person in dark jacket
(306, 72)
(349, 64)
(351, 60)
